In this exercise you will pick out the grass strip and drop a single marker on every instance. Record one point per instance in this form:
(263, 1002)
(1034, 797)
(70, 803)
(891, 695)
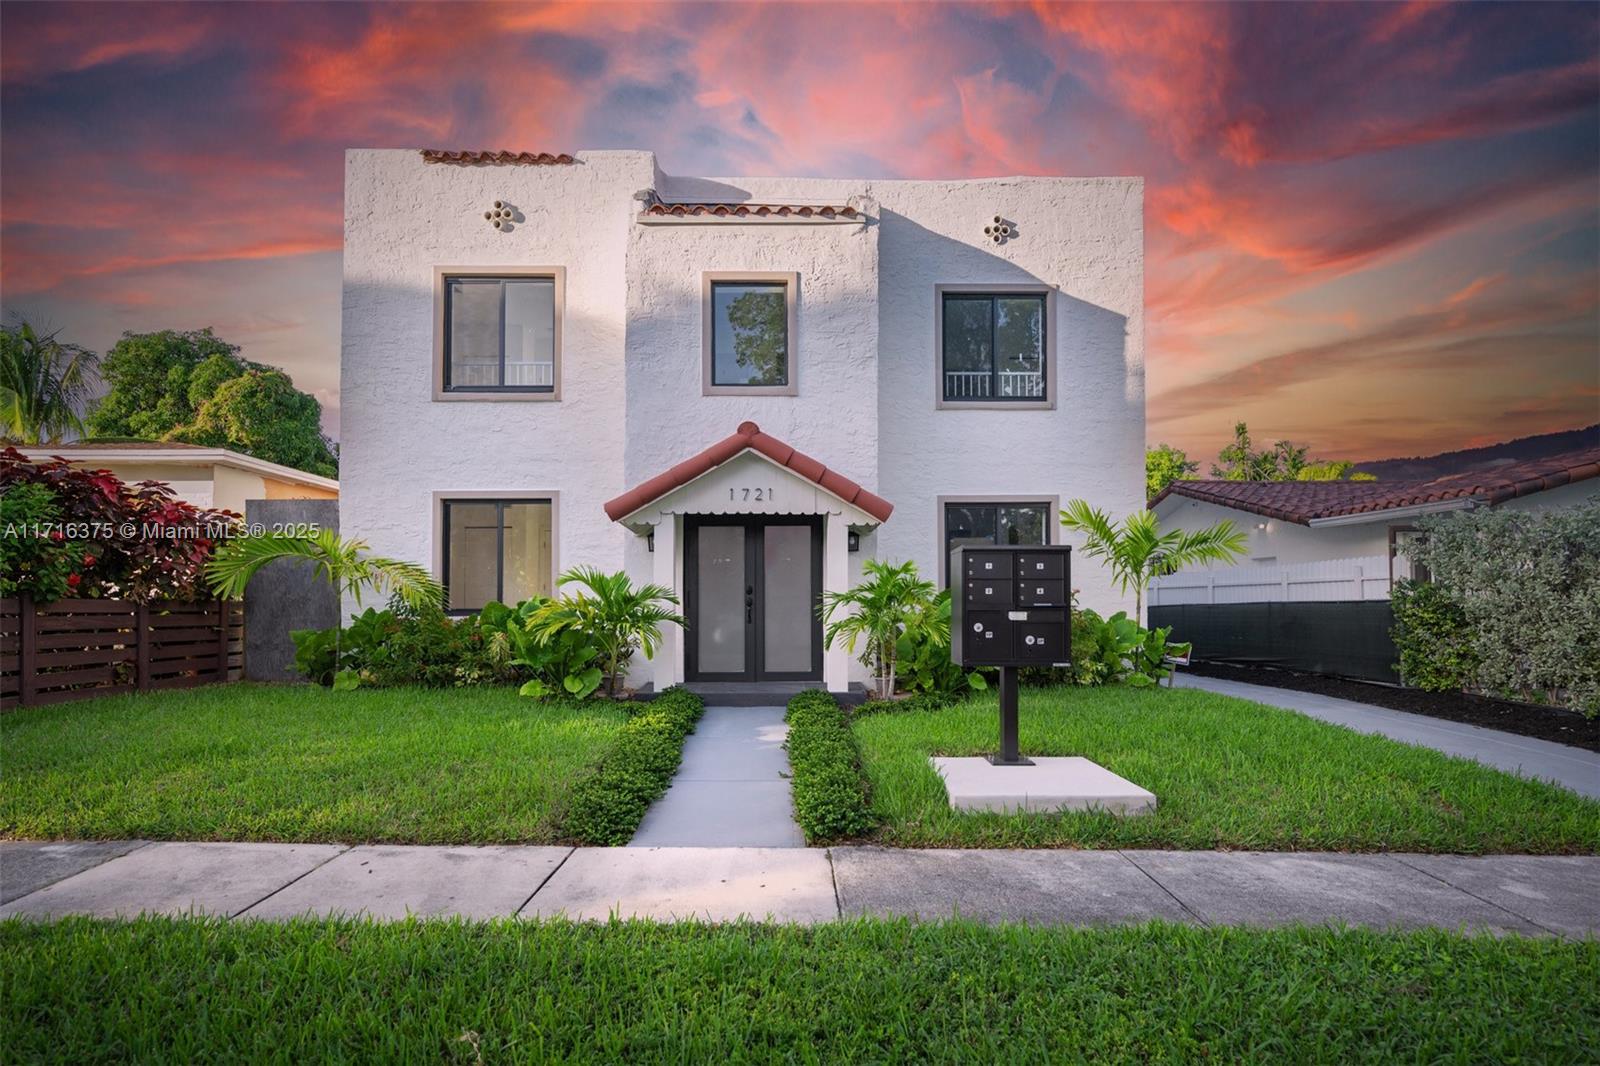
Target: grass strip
(1228, 773)
(607, 806)
(301, 763)
(830, 796)
(161, 990)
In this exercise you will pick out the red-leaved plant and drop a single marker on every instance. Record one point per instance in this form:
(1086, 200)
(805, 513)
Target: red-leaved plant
(133, 542)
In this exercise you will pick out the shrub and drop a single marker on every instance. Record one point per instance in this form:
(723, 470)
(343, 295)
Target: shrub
(35, 555)
(1528, 584)
(137, 543)
(1433, 637)
(830, 793)
(607, 806)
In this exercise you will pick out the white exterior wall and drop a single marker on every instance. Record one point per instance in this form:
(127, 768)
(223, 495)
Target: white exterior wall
(404, 219)
(1285, 543)
(631, 401)
(1085, 238)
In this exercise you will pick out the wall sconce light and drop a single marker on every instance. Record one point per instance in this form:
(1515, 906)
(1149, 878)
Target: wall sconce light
(1261, 525)
(650, 541)
(854, 541)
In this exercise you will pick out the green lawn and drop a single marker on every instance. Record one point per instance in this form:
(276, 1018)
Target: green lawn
(177, 990)
(1228, 774)
(301, 763)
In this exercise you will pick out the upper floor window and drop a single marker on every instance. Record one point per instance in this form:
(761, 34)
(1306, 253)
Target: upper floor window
(500, 334)
(993, 347)
(749, 334)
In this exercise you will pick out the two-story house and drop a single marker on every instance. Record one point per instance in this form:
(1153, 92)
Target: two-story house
(735, 387)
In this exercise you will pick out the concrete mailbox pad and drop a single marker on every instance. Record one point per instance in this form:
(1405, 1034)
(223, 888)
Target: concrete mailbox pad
(1050, 784)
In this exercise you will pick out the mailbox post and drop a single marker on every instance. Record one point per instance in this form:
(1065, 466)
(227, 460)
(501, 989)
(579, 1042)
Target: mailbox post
(1010, 607)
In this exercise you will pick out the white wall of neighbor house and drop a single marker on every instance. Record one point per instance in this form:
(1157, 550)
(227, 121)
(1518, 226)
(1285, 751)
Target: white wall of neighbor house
(404, 219)
(1274, 540)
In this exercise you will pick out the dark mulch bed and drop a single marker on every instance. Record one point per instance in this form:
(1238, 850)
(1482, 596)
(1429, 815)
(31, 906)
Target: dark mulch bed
(1544, 723)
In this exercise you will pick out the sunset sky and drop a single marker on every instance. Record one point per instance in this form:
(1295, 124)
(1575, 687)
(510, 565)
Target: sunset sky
(1370, 228)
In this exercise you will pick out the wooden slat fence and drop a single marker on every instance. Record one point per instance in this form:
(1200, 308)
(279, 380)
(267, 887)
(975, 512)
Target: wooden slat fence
(77, 649)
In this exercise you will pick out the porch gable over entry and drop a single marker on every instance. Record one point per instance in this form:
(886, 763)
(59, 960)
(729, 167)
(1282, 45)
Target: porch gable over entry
(749, 473)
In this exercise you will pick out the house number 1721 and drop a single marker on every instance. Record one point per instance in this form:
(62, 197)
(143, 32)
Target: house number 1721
(756, 495)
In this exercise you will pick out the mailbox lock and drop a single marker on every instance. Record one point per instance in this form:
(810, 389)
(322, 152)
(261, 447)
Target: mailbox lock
(977, 627)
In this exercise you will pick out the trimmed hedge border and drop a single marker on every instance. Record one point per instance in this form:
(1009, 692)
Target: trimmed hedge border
(830, 792)
(607, 806)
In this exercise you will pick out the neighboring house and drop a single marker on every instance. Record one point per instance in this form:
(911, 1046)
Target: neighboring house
(1304, 522)
(737, 387)
(205, 477)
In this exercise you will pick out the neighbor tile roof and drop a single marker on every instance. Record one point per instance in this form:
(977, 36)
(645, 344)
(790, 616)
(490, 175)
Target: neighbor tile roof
(1304, 501)
(749, 436)
(500, 159)
(661, 209)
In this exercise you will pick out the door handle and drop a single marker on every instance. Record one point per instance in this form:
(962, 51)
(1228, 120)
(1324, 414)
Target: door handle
(749, 603)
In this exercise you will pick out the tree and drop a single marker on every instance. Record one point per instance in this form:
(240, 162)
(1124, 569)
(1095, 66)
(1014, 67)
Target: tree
(759, 321)
(192, 386)
(1284, 461)
(1163, 465)
(151, 379)
(890, 603)
(43, 384)
(1136, 550)
(612, 613)
(261, 413)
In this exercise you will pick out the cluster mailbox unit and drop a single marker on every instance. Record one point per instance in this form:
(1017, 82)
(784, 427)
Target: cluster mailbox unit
(1010, 607)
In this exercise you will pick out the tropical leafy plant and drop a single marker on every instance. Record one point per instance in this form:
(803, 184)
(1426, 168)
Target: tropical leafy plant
(564, 663)
(922, 655)
(617, 618)
(890, 604)
(344, 564)
(44, 382)
(1137, 551)
(1118, 650)
(1163, 465)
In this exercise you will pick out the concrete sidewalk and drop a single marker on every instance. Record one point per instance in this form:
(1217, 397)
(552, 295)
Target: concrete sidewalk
(732, 788)
(1562, 764)
(1501, 894)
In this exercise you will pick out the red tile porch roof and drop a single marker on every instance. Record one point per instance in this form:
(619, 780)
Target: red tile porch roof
(748, 436)
(1302, 502)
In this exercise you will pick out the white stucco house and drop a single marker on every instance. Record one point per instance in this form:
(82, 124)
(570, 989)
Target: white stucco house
(736, 387)
(1298, 530)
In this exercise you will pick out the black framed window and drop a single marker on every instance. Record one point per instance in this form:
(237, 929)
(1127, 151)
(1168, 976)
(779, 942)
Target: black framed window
(497, 550)
(1022, 522)
(993, 347)
(749, 334)
(500, 334)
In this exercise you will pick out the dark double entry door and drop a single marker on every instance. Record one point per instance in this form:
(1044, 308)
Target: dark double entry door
(751, 590)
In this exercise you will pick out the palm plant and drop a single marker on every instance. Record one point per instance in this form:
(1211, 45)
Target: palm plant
(43, 384)
(1136, 550)
(344, 564)
(615, 615)
(891, 602)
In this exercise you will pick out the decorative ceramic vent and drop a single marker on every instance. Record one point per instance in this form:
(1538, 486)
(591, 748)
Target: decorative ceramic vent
(999, 231)
(501, 215)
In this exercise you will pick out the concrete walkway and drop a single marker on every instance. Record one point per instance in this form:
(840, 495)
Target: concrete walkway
(732, 789)
(1562, 764)
(1528, 895)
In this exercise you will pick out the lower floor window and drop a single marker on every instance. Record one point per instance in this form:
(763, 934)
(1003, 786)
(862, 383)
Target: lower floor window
(1022, 522)
(497, 550)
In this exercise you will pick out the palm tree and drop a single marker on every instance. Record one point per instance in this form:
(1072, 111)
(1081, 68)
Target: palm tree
(890, 602)
(344, 564)
(43, 384)
(616, 616)
(1136, 550)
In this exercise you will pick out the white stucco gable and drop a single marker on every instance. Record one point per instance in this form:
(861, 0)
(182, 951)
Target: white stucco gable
(749, 483)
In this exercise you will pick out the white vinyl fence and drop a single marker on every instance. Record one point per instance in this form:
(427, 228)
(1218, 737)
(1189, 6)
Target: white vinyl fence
(1362, 578)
